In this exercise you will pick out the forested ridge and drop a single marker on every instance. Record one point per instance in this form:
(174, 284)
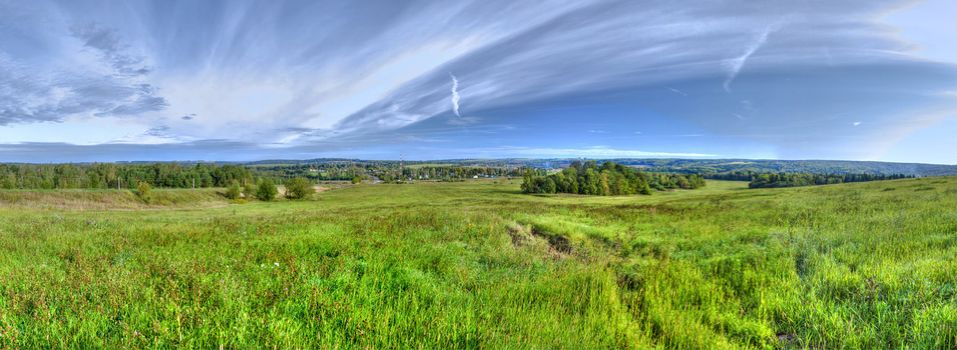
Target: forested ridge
(609, 179)
(759, 166)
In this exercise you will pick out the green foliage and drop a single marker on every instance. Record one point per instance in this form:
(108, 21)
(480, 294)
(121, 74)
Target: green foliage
(849, 266)
(299, 188)
(356, 179)
(387, 171)
(205, 175)
(249, 189)
(144, 190)
(799, 179)
(266, 190)
(108, 175)
(609, 179)
(233, 191)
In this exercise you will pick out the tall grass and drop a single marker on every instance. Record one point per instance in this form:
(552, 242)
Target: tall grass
(479, 265)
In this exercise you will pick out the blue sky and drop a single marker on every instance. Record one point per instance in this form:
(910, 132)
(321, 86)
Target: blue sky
(245, 80)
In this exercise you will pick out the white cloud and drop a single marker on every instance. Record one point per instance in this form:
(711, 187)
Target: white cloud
(682, 93)
(455, 95)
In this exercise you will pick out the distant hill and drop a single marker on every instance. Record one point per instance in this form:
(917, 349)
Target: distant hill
(791, 166)
(701, 166)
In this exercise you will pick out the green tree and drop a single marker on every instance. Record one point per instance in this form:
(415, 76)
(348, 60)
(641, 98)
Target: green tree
(528, 182)
(266, 190)
(299, 188)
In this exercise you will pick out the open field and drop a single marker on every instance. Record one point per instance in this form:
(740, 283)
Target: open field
(479, 265)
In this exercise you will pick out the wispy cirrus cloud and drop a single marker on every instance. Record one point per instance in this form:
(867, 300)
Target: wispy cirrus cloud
(307, 75)
(735, 64)
(99, 78)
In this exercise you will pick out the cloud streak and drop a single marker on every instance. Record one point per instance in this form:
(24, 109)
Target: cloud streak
(455, 95)
(736, 64)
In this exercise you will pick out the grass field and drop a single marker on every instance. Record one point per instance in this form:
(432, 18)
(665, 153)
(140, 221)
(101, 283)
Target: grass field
(479, 265)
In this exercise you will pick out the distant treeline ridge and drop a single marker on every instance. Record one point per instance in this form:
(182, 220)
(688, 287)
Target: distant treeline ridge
(768, 180)
(802, 179)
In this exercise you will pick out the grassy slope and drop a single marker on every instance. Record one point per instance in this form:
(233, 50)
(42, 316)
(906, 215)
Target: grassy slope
(109, 199)
(476, 264)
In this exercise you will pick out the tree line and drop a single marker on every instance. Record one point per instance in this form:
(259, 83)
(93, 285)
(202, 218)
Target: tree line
(201, 175)
(771, 180)
(608, 179)
(112, 175)
(385, 171)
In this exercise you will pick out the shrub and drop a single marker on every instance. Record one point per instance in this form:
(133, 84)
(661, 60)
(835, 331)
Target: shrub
(356, 179)
(266, 191)
(233, 191)
(299, 188)
(143, 190)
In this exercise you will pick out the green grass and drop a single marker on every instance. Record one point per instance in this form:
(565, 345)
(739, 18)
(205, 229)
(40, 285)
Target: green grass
(478, 265)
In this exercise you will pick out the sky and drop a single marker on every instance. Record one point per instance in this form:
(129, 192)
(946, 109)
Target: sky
(237, 80)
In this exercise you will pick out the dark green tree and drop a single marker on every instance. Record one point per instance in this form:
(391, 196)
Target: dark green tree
(266, 190)
(299, 188)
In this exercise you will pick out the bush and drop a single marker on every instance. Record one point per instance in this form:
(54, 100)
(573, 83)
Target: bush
(144, 190)
(266, 191)
(356, 179)
(233, 191)
(299, 188)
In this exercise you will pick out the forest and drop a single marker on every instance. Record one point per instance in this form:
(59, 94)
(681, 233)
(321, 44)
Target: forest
(116, 175)
(387, 171)
(200, 175)
(609, 179)
(769, 180)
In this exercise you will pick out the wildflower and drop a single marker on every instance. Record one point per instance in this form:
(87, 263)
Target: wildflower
(276, 263)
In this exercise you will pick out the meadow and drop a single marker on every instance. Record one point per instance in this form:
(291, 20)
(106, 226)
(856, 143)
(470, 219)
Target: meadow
(478, 264)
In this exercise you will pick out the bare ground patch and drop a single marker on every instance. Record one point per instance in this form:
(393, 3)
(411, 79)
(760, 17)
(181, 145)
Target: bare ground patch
(558, 246)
